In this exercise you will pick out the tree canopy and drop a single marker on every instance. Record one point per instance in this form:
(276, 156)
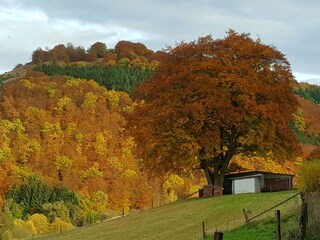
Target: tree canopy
(212, 99)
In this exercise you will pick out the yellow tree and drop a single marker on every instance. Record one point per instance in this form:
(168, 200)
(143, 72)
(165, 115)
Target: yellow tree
(71, 132)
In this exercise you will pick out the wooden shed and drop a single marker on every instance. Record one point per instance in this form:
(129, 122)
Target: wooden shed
(256, 181)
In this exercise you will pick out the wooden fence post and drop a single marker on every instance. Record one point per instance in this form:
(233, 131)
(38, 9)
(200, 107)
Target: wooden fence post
(278, 227)
(218, 236)
(304, 220)
(203, 231)
(303, 217)
(245, 216)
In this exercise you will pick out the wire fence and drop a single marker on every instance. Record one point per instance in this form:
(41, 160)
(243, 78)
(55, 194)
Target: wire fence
(207, 228)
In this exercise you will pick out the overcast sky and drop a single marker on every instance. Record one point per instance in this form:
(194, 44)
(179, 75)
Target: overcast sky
(292, 26)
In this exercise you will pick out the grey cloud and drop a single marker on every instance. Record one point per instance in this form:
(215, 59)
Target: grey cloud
(290, 25)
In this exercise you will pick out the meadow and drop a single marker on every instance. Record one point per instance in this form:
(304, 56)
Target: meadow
(183, 219)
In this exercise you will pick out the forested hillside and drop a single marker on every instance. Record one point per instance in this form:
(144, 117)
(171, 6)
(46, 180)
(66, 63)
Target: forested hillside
(67, 152)
(308, 92)
(120, 77)
(71, 134)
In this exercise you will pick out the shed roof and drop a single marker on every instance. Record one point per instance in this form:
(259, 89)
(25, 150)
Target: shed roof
(251, 173)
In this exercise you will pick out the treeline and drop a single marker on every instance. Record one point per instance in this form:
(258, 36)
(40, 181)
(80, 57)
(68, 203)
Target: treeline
(37, 208)
(309, 92)
(31, 198)
(304, 137)
(97, 52)
(118, 77)
(300, 128)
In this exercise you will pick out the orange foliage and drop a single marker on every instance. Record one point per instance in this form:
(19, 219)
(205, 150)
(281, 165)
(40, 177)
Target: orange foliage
(212, 99)
(130, 50)
(315, 154)
(71, 131)
(311, 114)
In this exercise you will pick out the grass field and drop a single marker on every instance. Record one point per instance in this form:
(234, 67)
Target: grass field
(183, 219)
(263, 229)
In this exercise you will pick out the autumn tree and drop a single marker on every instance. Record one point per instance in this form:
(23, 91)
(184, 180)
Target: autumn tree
(39, 56)
(130, 50)
(98, 49)
(211, 100)
(75, 53)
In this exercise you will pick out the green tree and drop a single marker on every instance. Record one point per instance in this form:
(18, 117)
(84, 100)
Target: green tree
(213, 99)
(34, 194)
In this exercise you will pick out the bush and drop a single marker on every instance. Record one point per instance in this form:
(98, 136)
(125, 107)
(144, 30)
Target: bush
(6, 235)
(23, 229)
(6, 223)
(92, 218)
(309, 176)
(58, 224)
(41, 223)
(313, 200)
(309, 181)
(57, 209)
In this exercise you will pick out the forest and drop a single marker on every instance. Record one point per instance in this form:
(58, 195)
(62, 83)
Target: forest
(118, 77)
(309, 92)
(90, 134)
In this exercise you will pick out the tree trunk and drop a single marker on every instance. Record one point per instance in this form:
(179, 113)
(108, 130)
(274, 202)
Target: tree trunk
(218, 183)
(204, 165)
(60, 176)
(208, 176)
(220, 165)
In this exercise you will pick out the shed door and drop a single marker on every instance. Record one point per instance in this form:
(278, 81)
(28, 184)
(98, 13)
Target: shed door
(246, 185)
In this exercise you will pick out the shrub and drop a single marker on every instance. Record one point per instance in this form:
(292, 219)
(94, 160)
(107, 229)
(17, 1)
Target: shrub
(309, 176)
(313, 200)
(6, 224)
(58, 224)
(23, 229)
(57, 209)
(41, 223)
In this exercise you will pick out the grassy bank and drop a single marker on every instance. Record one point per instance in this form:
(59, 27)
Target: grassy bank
(183, 219)
(263, 229)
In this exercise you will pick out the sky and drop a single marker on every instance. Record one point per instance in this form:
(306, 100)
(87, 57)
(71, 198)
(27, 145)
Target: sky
(292, 26)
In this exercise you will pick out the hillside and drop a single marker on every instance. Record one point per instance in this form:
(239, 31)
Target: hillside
(65, 131)
(311, 112)
(64, 136)
(183, 219)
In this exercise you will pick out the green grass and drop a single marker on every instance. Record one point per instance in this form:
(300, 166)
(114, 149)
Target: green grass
(183, 219)
(263, 230)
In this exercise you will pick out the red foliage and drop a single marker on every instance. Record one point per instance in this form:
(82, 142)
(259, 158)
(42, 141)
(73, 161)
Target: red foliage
(130, 50)
(212, 99)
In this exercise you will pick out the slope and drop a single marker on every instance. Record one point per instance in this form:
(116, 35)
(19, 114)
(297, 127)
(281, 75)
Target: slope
(311, 114)
(183, 219)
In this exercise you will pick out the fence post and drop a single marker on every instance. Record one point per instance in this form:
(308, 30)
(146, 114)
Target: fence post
(218, 236)
(245, 216)
(278, 227)
(303, 217)
(203, 231)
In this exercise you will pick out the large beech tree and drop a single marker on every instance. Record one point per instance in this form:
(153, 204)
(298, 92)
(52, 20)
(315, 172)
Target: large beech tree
(211, 99)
